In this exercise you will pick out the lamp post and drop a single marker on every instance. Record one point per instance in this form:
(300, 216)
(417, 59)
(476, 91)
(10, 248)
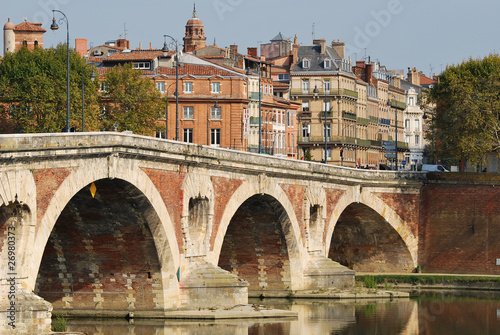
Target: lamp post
(166, 110)
(389, 103)
(92, 78)
(260, 105)
(316, 91)
(165, 49)
(54, 26)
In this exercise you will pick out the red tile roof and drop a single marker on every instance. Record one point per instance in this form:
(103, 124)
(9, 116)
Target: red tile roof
(28, 26)
(196, 70)
(424, 80)
(134, 55)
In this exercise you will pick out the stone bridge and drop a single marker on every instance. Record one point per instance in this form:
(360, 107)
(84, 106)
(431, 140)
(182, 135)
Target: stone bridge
(107, 223)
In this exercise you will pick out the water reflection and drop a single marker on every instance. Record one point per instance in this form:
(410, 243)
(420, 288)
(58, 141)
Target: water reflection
(455, 315)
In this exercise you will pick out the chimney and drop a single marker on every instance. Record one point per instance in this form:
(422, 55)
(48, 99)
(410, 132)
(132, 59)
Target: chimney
(233, 48)
(252, 52)
(369, 73)
(81, 46)
(150, 46)
(414, 76)
(322, 43)
(339, 48)
(295, 53)
(123, 43)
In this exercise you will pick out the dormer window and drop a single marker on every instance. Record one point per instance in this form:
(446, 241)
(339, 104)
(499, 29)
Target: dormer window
(327, 63)
(305, 63)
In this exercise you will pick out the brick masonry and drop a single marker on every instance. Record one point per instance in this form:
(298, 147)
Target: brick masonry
(459, 228)
(101, 255)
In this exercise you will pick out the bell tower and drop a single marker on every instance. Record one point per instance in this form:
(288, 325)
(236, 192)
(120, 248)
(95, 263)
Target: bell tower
(195, 34)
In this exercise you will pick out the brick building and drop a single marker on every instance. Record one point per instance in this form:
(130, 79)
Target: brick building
(24, 34)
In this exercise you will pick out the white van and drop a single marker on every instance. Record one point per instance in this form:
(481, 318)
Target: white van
(434, 168)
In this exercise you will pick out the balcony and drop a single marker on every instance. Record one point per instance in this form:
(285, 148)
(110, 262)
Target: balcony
(349, 115)
(343, 92)
(304, 115)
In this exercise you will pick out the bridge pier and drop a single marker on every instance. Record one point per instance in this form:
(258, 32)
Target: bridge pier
(204, 285)
(26, 313)
(323, 273)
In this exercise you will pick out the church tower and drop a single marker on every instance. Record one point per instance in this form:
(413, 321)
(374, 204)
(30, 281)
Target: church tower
(195, 34)
(9, 37)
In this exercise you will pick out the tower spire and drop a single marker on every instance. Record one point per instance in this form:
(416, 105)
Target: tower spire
(194, 10)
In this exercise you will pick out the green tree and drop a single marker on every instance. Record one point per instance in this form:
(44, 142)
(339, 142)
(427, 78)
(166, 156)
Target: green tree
(131, 101)
(466, 124)
(33, 91)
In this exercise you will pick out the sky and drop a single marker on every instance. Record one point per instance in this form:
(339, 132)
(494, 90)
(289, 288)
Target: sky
(426, 34)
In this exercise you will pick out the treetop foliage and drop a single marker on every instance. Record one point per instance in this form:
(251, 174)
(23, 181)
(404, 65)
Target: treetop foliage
(33, 94)
(466, 125)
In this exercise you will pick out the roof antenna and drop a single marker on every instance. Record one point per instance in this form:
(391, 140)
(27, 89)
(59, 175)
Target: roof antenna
(313, 33)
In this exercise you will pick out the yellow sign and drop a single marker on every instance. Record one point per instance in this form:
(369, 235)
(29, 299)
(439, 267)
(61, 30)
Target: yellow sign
(93, 189)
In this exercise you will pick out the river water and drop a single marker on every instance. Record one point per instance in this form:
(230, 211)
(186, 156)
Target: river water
(437, 314)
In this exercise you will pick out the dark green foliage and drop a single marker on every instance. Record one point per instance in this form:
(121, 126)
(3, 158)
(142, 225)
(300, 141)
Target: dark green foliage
(131, 101)
(467, 121)
(33, 90)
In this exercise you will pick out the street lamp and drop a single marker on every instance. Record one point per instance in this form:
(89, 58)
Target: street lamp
(389, 103)
(316, 91)
(54, 26)
(92, 78)
(260, 103)
(165, 49)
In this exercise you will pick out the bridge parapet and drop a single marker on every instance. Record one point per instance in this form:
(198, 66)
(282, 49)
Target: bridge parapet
(18, 148)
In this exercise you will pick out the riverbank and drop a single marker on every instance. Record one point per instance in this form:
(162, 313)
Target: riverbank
(428, 281)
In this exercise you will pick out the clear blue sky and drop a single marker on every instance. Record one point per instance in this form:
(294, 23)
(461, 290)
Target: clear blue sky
(398, 33)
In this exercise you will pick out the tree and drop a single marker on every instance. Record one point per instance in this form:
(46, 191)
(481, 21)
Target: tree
(466, 125)
(130, 101)
(33, 91)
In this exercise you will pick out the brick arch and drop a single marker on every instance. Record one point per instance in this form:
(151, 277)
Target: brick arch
(163, 234)
(289, 222)
(370, 200)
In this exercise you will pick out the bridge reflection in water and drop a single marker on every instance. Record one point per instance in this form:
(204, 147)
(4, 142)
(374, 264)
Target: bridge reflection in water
(442, 316)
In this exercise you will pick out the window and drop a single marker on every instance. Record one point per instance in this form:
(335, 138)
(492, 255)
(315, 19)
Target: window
(216, 113)
(417, 124)
(305, 106)
(142, 65)
(104, 86)
(188, 135)
(305, 130)
(417, 139)
(328, 63)
(305, 63)
(305, 85)
(160, 86)
(188, 87)
(327, 105)
(25, 43)
(407, 139)
(329, 153)
(215, 87)
(283, 77)
(411, 101)
(160, 133)
(215, 137)
(326, 85)
(328, 130)
(188, 113)
(407, 124)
